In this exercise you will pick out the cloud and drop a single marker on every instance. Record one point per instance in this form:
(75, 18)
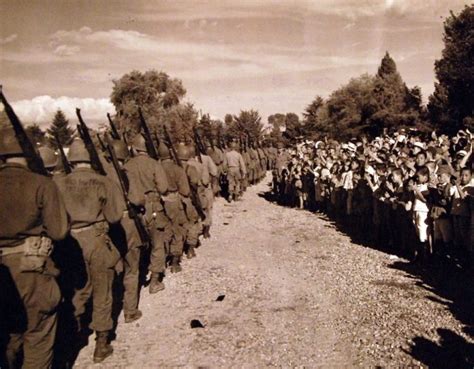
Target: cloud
(41, 109)
(66, 50)
(8, 39)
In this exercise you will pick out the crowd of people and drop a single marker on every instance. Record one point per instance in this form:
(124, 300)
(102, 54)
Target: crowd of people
(68, 237)
(411, 193)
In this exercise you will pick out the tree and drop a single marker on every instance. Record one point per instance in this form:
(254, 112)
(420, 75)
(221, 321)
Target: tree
(35, 134)
(60, 127)
(312, 121)
(158, 95)
(246, 124)
(451, 106)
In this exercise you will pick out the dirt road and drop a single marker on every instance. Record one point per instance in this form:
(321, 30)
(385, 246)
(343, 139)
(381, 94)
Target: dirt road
(297, 293)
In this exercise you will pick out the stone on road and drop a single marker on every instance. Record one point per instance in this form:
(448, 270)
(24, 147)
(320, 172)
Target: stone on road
(294, 292)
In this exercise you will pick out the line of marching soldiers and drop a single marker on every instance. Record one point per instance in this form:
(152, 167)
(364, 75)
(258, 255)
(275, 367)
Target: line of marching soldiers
(65, 237)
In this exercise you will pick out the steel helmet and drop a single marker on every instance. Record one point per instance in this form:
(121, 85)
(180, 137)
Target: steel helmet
(8, 143)
(163, 151)
(121, 150)
(183, 152)
(138, 143)
(49, 156)
(78, 152)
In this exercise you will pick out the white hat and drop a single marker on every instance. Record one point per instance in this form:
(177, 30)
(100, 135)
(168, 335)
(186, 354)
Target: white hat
(419, 145)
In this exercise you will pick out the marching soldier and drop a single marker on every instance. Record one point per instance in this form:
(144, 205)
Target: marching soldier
(213, 173)
(236, 171)
(92, 202)
(194, 174)
(178, 188)
(148, 183)
(32, 213)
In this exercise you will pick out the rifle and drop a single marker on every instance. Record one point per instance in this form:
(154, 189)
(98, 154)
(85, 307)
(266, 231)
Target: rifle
(101, 143)
(150, 147)
(198, 143)
(194, 195)
(96, 164)
(66, 164)
(113, 129)
(35, 163)
(132, 212)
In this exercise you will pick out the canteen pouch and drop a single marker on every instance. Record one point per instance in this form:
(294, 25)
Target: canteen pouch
(36, 253)
(105, 253)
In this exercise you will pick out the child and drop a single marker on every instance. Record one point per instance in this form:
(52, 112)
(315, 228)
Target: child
(420, 212)
(460, 211)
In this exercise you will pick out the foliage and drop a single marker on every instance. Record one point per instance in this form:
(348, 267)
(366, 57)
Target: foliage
(160, 98)
(245, 125)
(36, 135)
(451, 106)
(60, 127)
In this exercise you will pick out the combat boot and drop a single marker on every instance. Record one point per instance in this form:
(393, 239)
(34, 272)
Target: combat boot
(156, 283)
(206, 231)
(102, 347)
(175, 267)
(131, 317)
(191, 253)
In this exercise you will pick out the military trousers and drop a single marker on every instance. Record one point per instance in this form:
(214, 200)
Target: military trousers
(175, 231)
(28, 302)
(100, 257)
(234, 178)
(131, 265)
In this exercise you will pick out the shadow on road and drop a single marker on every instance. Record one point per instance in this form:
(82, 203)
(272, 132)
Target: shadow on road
(451, 283)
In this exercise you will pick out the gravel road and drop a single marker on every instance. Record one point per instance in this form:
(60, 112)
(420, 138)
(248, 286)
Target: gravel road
(297, 293)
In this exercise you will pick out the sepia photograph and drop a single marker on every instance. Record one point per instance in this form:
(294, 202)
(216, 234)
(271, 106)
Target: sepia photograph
(236, 184)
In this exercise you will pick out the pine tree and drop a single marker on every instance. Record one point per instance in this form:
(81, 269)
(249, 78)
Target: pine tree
(60, 127)
(35, 134)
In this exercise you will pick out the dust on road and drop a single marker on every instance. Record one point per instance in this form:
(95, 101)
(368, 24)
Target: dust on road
(295, 293)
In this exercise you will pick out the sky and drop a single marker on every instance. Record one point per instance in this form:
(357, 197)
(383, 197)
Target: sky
(274, 55)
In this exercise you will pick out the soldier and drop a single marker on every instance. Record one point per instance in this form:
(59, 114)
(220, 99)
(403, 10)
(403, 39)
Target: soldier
(213, 173)
(262, 163)
(93, 201)
(134, 246)
(217, 157)
(236, 170)
(194, 173)
(178, 188)
(148, 183)
(32, 213)
(252, 164)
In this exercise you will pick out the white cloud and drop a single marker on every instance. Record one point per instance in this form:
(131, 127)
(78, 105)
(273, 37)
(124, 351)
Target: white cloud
(8, 39)
(66, 50)
(41, 109)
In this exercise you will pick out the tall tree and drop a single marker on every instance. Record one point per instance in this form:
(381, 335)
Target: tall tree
(451, 106)
(60, 127)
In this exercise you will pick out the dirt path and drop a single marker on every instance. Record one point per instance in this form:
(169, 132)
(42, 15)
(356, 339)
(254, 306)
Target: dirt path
(297, 294)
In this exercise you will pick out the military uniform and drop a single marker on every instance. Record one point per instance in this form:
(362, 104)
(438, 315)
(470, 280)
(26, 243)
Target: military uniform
(213, 172)
(148, 183)
(178, 188)
(30, 207)
(236, 171)
(92, 202)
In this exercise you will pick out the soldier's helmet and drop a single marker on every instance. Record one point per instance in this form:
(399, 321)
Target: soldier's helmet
(183, 152)
(121, 150)
(78, 152)
(50, 159)
(138, 143)
(163, 151)
(9, 145)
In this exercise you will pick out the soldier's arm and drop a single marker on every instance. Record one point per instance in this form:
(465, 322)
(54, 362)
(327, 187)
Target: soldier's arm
(161, 180)
(113, 207)
(212, 168)
(243, 169)
(183, 184)
(193, 176)
(53, 211)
